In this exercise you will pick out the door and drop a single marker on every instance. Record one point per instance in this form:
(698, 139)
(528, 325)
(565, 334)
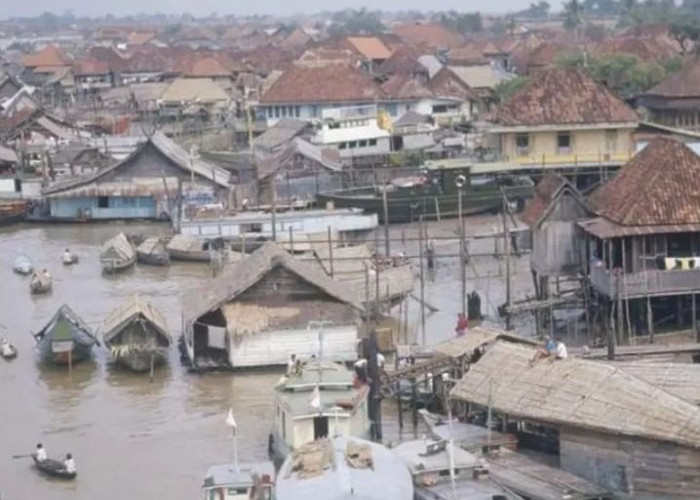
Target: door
(320, 427)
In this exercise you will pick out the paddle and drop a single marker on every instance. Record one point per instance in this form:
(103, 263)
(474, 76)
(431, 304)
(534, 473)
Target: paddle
(22, 456)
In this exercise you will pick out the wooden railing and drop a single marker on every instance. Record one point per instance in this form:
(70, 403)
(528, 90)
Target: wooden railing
(641, 284)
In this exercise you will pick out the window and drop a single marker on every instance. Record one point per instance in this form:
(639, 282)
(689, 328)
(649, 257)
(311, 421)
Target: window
(352, 144)
(277, 111)
(297, 111)
(343, 145)
(522, 144)
(255, 227)
(611, 141)
(269, 112)
(373, 142)
(564, 143)
(103, 202)
(440, 108)
(362, 143)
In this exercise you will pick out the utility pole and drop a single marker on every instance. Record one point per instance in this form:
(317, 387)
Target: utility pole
(506, 250)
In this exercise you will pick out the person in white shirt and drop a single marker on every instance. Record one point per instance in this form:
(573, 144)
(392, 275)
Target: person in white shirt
(69, 463)
(291, 364)
(562, 352)
(40, 453)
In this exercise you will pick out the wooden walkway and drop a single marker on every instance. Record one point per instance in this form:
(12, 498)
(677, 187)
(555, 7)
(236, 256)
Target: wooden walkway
(631, 351)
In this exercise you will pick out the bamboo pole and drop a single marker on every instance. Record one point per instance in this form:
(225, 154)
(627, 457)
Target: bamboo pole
(330, 251)
(422, 284)
(385, 203)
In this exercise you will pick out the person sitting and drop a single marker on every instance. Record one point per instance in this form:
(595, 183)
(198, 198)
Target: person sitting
(462, 325)
(69, 463)
(562, 351)
(45, 272)
(67, 256)
(550, 349)
(5, 348)
(40, 453)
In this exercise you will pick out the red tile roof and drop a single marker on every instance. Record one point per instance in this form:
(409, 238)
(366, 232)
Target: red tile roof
(544, 193)
(404, 61)
(48, 56)
(446, 84)
(331, 83)
(683, 83)
(90, 67)
(209, 67)
(370, 47)
(434, 35)
(660, 185)
(563, 96)
(405, 87)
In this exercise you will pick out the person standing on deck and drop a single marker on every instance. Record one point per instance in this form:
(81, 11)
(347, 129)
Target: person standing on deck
(69, 463)
(40, 453)
(462, 325)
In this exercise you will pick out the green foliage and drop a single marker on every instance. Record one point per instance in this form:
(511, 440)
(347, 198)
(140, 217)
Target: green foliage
(625, 74)
(469, 22)
(672, 65)
(362, 21)
(507, 88)
(539, 10)
(573, 15)
(602, 7)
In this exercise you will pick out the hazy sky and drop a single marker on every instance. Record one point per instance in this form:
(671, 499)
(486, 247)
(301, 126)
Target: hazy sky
(9, 8)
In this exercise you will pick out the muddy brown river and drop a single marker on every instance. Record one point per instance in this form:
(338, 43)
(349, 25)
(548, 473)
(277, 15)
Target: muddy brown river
(132, 438)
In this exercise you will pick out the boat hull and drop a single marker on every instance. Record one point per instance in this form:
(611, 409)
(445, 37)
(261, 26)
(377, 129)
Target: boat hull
(53, 468)
(9, 354)
(77, 354)
(111, 266)
(190, 256)
(14, 214)
(412, 208)
(151, 259)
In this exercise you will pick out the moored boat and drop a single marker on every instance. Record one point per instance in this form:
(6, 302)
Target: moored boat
(66, 338)
(318, 400)
(343, 468)
(7, 350)
(249, 481)
(69, 258)
(53, 468)
(137, 335)
(22, 265)
(153, 251)
(117, 254)
(12, 212)
(40, 282)
(190, 248)
(433, 195)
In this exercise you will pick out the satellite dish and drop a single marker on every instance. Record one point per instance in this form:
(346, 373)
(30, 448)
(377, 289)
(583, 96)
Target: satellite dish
(461, 181)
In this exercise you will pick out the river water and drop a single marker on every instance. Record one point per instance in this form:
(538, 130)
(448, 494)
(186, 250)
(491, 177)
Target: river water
(133, 438)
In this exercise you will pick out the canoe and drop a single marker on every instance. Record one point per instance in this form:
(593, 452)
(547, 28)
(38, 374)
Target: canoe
(69, 259)
(137, 335)
(53, 468)
(23, 265)
(117, 254)
(40, 283)
(189, 248)
(7, 350)
(153, 252)
(65, 338)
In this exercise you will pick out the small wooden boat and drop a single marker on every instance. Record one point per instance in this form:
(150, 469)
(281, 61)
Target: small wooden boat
(23, 265)
(117, 254)
(69, 258)
(53, 468)
(153, 251)
(66, 338)
(189, 248)
(137, 335)
(7, 350)
(41, 282)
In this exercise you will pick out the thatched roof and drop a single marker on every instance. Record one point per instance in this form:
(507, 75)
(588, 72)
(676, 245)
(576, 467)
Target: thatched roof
(348, 262)
(239, 278)
(477, 336)
(578, 393)
(81, 331)
(119, 244)
(680, 379)
(150, 245)
(131, 310)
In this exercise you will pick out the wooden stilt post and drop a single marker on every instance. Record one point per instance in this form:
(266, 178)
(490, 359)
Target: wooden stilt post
(422, 283)
(152, 366)
(70, 362)
(385, 203)
(650, 320)
(695, 322)
(330, 251)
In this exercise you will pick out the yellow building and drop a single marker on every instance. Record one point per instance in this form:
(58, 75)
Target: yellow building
(563, 117)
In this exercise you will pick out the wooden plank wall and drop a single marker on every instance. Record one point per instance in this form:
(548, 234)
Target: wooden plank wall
(644, 469)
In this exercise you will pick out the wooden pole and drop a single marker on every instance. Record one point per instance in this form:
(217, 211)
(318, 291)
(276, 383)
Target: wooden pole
(398, 390)
(462, 265)
(330, 251)
(422, 282)
(273, 184)
(385, 203)
(506, 250)
(695, 325)
(70, 362)
(152, 366)
(650, 320)
(291, 241)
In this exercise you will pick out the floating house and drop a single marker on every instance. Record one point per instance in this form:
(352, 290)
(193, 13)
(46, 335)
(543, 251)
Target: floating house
(149, 184)
(642, 245)
(265, 308)
(606, 425)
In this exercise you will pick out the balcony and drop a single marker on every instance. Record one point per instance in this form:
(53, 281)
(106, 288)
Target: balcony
(650, 282)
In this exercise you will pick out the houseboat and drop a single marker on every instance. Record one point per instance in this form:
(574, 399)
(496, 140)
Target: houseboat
(65, 339)
(12, 212)
(315, 401)
(137, 335)
(343, 468)
(153, 251)
(117, 254)
(190, 248)
(434, 194)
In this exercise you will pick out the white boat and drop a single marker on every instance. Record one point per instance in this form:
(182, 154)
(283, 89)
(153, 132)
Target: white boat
(7, 350)
(41, 282)
(320, 400)
(253, 481)
(23, 265)
(69, 258)
(343, 469)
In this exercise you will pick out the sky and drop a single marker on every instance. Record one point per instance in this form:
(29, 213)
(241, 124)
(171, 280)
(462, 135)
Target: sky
(8, 8)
